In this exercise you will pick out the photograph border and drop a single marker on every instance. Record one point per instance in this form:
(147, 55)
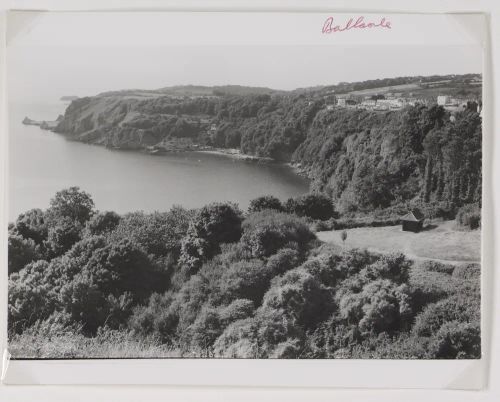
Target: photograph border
(465, 374)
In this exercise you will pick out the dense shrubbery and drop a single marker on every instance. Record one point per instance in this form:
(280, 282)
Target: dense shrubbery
(213, 225)
(214, 283)
(469, 216)
(265, 202)
(314, 206)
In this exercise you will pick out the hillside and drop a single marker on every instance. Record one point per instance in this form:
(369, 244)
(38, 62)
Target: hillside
(216, 282)
(363, 159)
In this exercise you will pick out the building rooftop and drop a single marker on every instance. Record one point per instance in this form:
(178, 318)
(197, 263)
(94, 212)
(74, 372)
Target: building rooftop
(413, 216)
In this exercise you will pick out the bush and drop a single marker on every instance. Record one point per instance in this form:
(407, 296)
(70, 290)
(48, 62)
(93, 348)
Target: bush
(265, 202)
(21, 251)
(212, 226)
(457, 340)
(301, 298)
(73, 204)
(454, 308)
(239, 340)
(205, 330)
(467, 271)
(469, 216)
(394, 267)
(62, 236)
(382, 306)
(239, 309)
(123, 267)
(245, 280)
(434, 266)
(102, 222)
(30, 297)
(265, 233)
(157, 318)
(62, 270)
(314, 206)
(158, 234)
(284, 260)
(326, 268)
(85, 303)
(330, 336)
(32, 225)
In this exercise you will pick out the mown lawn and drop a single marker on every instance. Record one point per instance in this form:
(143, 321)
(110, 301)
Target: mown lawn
(440, 241)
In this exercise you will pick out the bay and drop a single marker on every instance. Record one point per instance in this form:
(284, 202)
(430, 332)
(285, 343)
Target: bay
(42, 163)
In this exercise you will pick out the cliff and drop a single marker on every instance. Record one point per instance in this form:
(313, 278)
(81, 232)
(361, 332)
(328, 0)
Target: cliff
(363, 159)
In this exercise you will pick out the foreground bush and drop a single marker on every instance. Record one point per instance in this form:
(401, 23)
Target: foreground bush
(266, 232)
(212, 225)
(314, 206)
(265, 202)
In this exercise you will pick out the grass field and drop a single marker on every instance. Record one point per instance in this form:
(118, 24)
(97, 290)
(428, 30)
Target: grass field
(381, 90)
(440, 241)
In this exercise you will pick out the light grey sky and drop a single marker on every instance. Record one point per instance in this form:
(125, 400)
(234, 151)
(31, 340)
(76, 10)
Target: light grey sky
(45, 73)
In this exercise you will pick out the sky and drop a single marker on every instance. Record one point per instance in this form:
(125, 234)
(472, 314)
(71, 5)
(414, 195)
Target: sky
(49, 73)
(56, 56)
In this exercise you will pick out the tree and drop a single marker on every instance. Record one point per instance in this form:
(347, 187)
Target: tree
(86, 304)
(122, 266)
(213, 225)
(102, 222)
(245, 280)
(266, 232)
(63, 234)
(314, 206)
(159, 233)
(205, 330)
(30, 296)
(381, 306)
(71, 203)
(301, 297)
(343, 236)
(32, 225)
(265, 202)
(21, 251)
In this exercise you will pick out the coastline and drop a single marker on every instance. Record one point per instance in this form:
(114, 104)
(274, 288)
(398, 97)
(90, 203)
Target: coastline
(235, 154)
(299, 170)
(163, 149)
(174, 147)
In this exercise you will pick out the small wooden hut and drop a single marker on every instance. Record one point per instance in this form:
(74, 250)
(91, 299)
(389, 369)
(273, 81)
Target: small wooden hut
(413, 221)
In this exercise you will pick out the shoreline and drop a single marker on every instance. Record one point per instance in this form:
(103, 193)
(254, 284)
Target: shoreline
(234, 154)
(176, 148)
(299, 170)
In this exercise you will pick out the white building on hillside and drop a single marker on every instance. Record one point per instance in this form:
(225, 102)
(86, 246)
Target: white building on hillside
(443, 100)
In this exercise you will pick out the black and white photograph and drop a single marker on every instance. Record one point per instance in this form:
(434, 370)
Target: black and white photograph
(253, 201)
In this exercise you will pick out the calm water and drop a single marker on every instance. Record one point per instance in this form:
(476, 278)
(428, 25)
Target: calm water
(42, 163)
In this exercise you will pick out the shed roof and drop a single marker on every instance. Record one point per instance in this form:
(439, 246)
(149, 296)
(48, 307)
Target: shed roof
(413, 216)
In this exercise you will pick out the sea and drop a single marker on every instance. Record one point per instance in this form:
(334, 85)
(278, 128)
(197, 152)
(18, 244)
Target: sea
(42, 163)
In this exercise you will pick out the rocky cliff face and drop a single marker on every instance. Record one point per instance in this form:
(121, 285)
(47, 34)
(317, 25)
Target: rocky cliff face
(106, 120)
